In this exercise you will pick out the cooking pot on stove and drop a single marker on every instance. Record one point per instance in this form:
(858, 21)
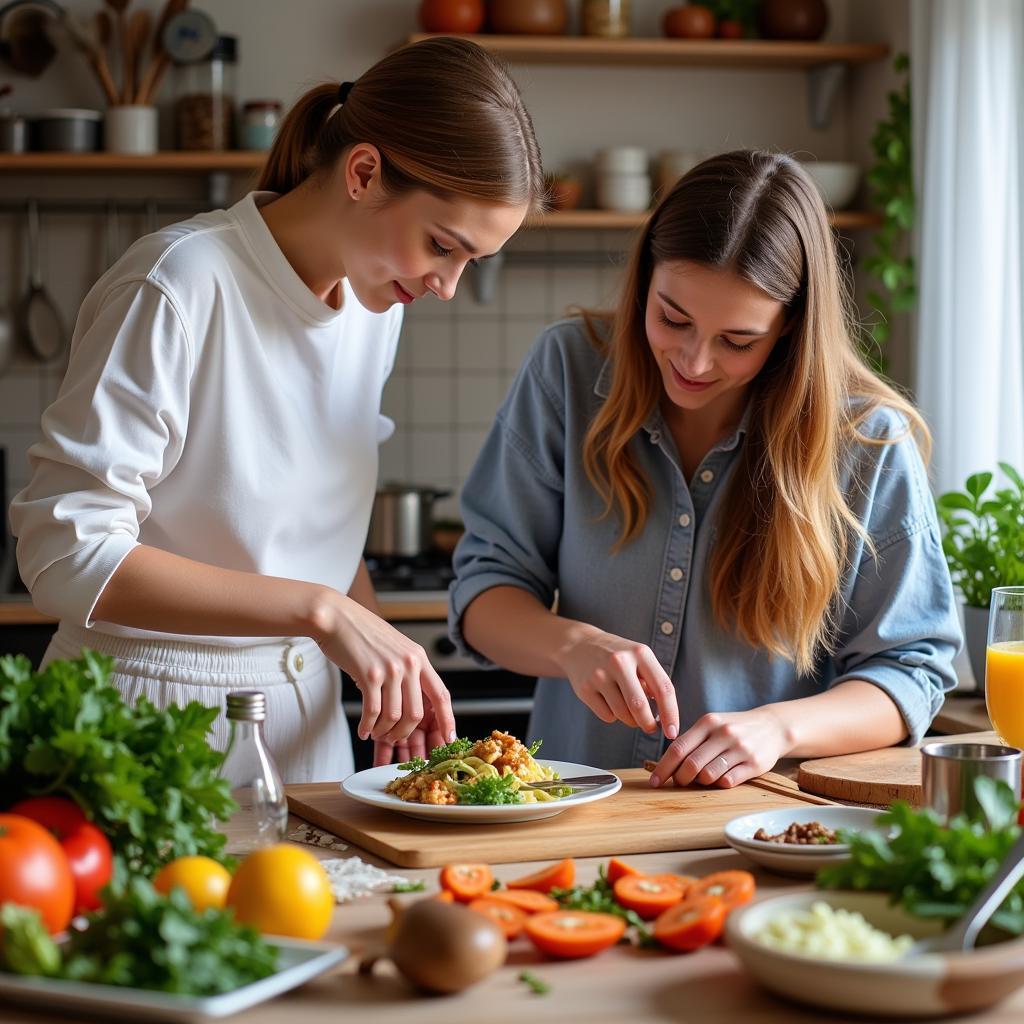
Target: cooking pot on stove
(402, 521)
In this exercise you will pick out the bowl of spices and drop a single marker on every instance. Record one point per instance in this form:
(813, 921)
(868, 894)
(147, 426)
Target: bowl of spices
(798, 841)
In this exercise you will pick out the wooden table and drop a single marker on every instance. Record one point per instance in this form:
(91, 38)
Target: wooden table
(621, 986)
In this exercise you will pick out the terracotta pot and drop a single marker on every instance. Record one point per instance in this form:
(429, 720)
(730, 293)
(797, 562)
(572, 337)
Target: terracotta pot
(528, 17)
(793, 19)
(565, 193)
(452, 15)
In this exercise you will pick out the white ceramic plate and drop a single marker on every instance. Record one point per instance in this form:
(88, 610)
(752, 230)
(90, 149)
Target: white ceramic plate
(928, 985)
(298, 962)
(368, 788)
(791, 859)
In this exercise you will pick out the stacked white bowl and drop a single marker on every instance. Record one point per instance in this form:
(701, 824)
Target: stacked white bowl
(622, 179)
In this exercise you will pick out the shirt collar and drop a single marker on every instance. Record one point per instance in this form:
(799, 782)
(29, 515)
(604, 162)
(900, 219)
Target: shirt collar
(655, 422)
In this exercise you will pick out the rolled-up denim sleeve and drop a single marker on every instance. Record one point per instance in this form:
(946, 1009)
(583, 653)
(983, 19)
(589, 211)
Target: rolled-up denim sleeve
(900, 628)
(512, 501)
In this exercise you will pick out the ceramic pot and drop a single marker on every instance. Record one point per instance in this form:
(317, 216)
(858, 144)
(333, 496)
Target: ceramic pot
(793, 19)
(528, 17)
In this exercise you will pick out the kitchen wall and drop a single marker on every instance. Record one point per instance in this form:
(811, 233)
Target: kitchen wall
(457, 359)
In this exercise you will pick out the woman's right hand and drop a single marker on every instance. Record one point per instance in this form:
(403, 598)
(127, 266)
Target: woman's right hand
(618, 678)
(391, 671)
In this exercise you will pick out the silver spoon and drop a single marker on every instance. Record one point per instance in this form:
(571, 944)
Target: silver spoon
(961, 937)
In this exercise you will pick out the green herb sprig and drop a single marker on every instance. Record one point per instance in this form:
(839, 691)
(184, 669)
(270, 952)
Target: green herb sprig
(488, 789)
(141, 939)
(536, 985)
(147, 777)
(931, 869)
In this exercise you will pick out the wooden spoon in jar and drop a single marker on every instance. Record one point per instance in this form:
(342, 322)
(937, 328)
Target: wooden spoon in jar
(159, 61)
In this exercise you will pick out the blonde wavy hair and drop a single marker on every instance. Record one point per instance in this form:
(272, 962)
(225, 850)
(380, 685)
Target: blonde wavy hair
(786, 531)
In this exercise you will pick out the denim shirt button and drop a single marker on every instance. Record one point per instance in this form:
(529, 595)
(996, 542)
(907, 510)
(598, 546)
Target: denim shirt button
(684, 520)
(707, 476)
(655, 436)
(667, 628)
(676, 574)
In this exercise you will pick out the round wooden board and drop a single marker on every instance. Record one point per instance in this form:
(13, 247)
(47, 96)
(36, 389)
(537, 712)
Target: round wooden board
(875, 776)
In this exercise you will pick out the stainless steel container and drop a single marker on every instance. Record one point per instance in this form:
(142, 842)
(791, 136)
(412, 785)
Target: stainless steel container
(948, 771)
(402, 522)
(67, 130)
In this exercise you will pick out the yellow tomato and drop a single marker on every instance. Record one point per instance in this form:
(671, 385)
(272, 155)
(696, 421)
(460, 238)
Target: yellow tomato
(204, 880)
(282, 890)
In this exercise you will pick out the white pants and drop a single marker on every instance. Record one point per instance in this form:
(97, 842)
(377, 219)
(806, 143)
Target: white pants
(305, 729)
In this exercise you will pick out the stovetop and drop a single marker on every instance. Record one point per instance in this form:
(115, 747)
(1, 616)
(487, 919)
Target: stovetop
(425, 574)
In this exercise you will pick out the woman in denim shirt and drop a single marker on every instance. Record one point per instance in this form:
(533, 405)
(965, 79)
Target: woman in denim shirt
(731, 508)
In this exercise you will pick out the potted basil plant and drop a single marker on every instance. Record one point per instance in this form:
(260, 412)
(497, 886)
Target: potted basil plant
(983, 540)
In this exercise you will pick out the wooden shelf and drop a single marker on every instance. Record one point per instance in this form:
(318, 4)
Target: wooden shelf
(608, 220)
(237, 161)
(640, 51)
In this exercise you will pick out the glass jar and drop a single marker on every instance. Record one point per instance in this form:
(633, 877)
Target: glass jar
(258, 124)
(262, 815)
(204, 109)
(609, 18)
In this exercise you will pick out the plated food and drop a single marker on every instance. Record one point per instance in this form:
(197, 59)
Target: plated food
(498, 769)
(494, 779)
(798, 833)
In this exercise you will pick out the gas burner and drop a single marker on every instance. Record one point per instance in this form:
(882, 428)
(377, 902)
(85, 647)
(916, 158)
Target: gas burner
(427, 572)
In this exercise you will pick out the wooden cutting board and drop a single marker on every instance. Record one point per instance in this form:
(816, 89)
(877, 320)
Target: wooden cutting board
(876, 776)
(637, 819)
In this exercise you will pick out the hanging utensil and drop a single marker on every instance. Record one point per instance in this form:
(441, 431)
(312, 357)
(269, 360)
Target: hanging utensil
(8, 340)
(41, 322)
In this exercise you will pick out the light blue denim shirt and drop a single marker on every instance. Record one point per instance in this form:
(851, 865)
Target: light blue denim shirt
(533, 520)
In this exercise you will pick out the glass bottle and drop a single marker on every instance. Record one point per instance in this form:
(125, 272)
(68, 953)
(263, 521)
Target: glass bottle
(262, 815)
(204, 109)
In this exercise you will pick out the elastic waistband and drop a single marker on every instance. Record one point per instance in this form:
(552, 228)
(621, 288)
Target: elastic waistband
(281, 661)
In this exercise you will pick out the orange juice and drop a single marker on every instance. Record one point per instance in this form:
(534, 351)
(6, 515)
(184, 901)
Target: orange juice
(1004, 690)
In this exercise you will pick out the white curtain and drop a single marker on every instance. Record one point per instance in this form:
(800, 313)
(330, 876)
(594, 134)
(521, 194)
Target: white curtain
(967, 65)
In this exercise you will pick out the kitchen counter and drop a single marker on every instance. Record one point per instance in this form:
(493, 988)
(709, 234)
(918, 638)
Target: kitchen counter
(619, 986)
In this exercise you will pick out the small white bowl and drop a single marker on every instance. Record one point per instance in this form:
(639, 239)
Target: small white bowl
(928, 985)
(837, 181)
(791, 859)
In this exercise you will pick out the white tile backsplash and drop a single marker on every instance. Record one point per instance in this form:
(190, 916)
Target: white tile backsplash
(432, 400)
(478, 397)
(479, 344)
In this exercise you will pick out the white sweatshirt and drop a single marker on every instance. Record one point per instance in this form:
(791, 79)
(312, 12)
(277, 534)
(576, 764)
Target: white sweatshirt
(213, 407)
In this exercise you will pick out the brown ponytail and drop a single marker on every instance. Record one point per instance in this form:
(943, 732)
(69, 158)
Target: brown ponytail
(444, 114)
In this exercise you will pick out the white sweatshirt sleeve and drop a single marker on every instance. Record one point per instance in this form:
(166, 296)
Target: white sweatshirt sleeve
(116, 429)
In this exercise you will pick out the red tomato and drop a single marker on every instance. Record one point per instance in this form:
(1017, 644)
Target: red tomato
(452, 15)
(34, 871)
(86, 847)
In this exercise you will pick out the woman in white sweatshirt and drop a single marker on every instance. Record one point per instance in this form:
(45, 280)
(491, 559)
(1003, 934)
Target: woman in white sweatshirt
(201, 494)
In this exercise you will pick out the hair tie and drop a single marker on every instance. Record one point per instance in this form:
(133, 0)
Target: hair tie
(343, 90)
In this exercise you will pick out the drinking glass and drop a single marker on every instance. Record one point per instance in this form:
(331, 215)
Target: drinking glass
(1004, 664)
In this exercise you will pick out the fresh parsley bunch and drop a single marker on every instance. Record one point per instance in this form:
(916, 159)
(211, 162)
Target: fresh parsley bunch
(140, 939)
(935, 870)
(146, 777)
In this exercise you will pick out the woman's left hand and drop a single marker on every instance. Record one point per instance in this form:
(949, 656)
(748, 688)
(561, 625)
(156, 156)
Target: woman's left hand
(725, 749)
